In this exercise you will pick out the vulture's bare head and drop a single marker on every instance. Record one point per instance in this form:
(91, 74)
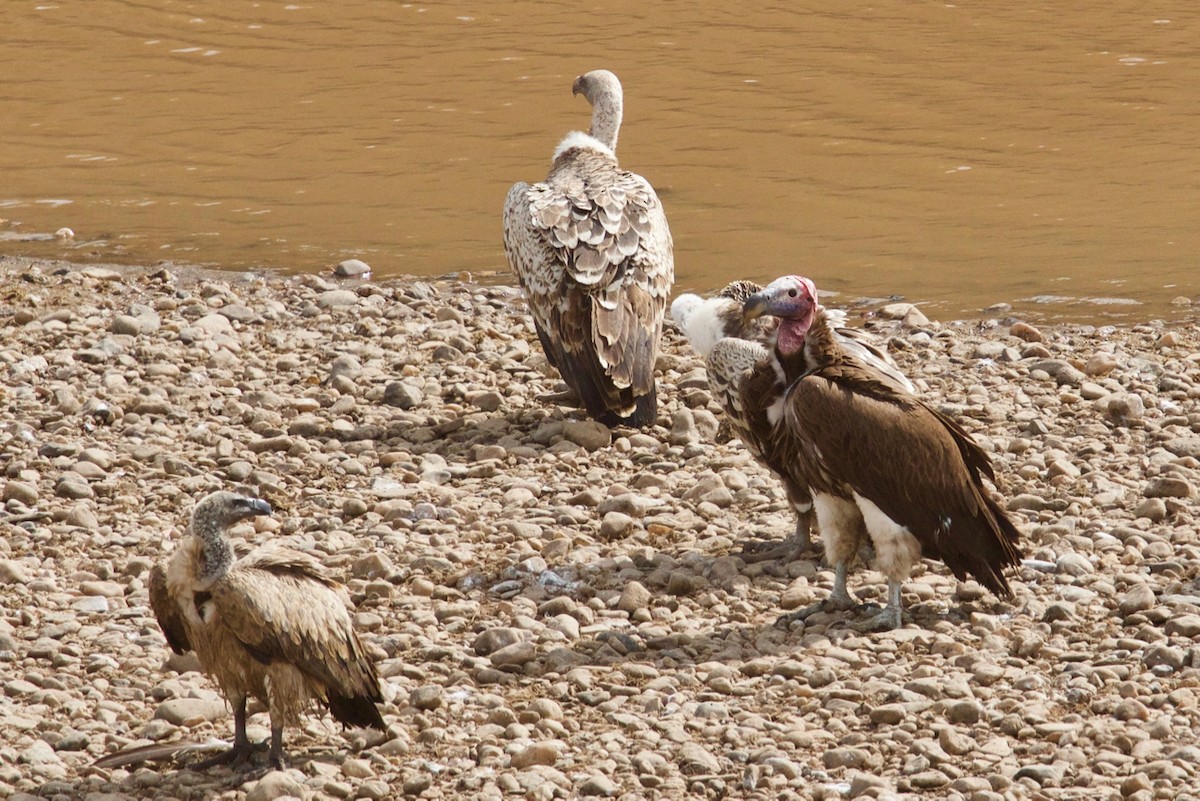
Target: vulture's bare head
(220, 510)
(603, 91)
(596, 84)
(793, 299)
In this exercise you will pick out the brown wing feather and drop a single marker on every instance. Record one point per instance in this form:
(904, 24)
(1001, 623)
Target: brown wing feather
(167, 611)
(859, 435)
(593, 252)
(283, 607)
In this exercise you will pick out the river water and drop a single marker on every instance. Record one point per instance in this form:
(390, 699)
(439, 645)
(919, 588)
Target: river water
(959, 155)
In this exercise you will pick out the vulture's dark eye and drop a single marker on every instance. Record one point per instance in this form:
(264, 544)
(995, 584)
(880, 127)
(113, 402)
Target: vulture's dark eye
(791, 293)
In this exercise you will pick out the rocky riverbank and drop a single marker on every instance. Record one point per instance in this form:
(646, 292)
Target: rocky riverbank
(559, 610)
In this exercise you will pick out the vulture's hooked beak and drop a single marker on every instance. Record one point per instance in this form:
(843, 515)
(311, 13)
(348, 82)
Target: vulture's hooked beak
(792, 297)
(577, 87)
(757, 305)
(255, 507)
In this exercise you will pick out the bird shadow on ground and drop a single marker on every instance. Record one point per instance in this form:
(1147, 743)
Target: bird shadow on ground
(732, 637)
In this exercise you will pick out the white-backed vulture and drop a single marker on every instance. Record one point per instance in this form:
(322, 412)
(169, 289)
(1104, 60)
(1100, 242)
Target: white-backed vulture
(749, 388)
(874, 455)
(271, 625)
(591, 248)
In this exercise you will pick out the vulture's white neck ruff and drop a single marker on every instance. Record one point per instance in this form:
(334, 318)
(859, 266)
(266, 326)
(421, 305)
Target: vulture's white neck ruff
(579, 139)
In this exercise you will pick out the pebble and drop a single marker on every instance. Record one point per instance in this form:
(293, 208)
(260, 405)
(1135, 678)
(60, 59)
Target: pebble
(24, 493)
(635, 596)
(597, 784)
(543, 602)
(352, 268)
(337, 298)
(588, 434)
(427, 697)
(1169, 487)
(13, 572)
(191, 711)
(276, 784)
(402, 395)
(1139, 598)
(615, 526)
(542, 753)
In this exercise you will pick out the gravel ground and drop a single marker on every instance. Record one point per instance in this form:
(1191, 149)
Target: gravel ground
(559, 610)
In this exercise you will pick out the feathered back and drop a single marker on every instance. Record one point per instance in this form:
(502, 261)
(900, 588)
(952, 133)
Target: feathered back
(591, 248)
(860, 434)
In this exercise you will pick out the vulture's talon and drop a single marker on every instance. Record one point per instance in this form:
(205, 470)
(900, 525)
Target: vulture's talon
(801, 615)
(887, 620)
(235, 757)
(565, 398)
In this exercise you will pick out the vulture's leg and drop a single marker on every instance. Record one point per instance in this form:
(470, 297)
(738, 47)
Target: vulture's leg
(896, 552)
(794, 547)
(841, 531)
(275, 759)
(242, 747)
(892, 615)
(840, 598)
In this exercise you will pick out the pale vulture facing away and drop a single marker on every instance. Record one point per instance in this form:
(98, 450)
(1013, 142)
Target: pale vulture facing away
(592, 250)
(745, 382)
(878, 459)
(271, 625)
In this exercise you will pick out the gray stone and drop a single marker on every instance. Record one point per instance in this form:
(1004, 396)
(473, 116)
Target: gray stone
(598, 784)
(190, 711)
(1042, 774)
(426, 697)
(352, 268)
(635, 596)
(276, 784)
(24, 493)
(13, 572)
(1184, 446)
(1183, 626)
(1122, 409)
(588, 434)
(213, 324)
(1153, 509)
(1061, 371)
(968, 712)
(1169, 487)
(615, 526)
(516, 654)
(541, 753)
(337, 298)
(683, 428)
(402, 395)
(1138, 598)
(694, 760)
(493, 639)
(1075, 564)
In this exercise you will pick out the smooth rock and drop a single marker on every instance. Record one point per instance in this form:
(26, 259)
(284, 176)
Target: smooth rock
(276, 784)
(352, 268)
(588, 434)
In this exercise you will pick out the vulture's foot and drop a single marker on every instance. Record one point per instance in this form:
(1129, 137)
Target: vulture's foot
(275, 759)
(236, 757)
(887, 620)
(797, 546)
(754, 552)
(830, 604)
(567, 397)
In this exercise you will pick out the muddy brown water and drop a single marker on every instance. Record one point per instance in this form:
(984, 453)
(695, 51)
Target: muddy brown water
(957, 154)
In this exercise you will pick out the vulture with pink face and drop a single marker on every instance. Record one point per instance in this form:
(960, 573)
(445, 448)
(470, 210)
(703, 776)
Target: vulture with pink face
(745, 381)
(591, 248)
(877, 458)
